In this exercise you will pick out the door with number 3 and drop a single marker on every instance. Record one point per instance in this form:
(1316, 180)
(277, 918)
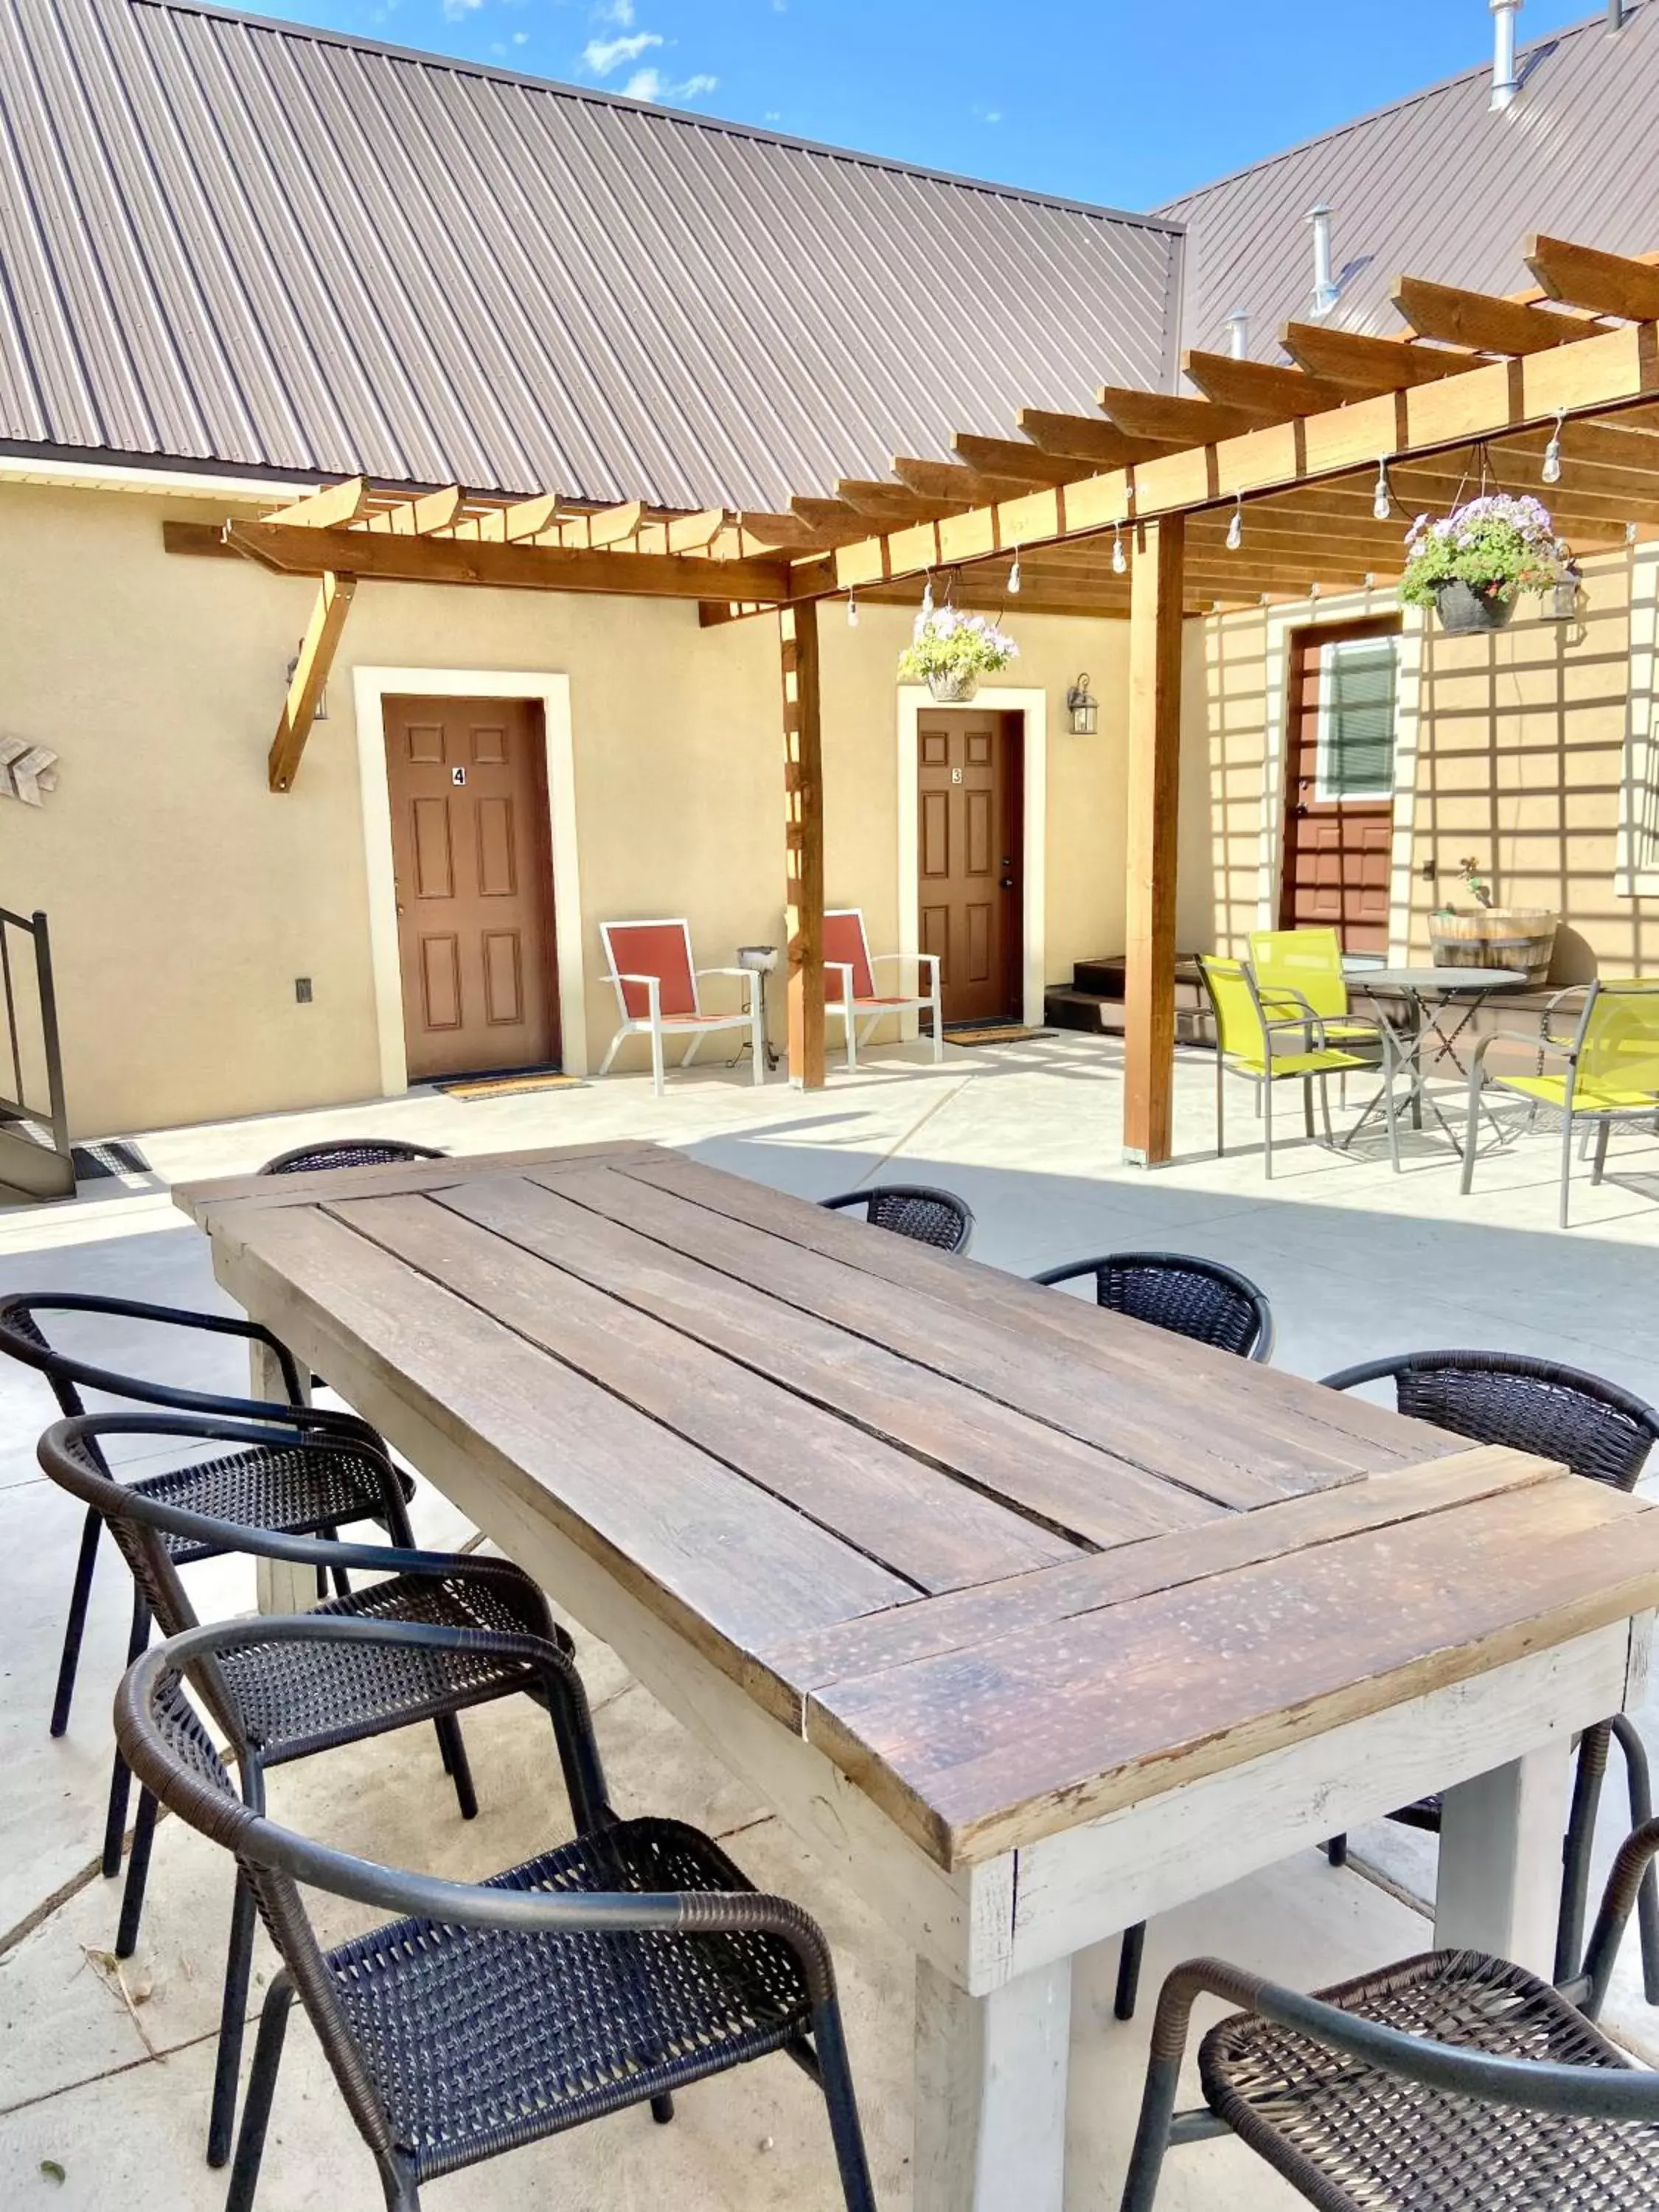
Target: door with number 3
(969, 816)
(471, 857)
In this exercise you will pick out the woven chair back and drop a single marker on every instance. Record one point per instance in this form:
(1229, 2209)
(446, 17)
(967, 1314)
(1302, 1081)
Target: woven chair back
(1593, 1427)
(1306, 961)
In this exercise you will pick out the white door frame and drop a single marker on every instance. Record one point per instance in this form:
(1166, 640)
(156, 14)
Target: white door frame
(370, 688)
(915, 700)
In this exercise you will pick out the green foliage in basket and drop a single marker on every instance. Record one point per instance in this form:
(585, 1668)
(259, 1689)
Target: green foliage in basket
(944, 641)
(1499, 545)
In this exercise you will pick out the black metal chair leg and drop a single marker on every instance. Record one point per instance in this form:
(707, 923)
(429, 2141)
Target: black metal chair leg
(233, 2014)
(398, 2183)
(261, 2088)
(75, 1626)
(456, 1764)
(1640, 1782)
(1152, 2135)
(836, 2076)
(115, 1820)
(1130, 1953)
(132, 1896)
(1337, 1850)
(662, 2110)
(1588, 1769)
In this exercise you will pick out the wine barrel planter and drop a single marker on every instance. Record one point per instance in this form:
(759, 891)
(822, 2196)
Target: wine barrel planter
(1518, 938)
(1465, 610)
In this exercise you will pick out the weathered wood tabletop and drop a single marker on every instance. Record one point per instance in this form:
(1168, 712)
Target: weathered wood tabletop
(1003, 1599)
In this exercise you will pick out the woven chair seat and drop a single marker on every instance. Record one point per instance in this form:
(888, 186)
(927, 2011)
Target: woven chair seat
(1354, 2139)
(301, 1700)
(479, 2039)
(289, 1488)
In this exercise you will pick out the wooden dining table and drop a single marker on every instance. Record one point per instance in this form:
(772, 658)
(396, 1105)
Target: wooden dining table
(1031, 1620)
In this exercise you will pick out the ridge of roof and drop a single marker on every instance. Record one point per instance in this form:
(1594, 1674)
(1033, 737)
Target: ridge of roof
(556, 87)
(1526, 59)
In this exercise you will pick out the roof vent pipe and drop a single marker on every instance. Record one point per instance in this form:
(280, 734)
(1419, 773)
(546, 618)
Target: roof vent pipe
(1504, 81)
(1615, 16)
(1238, 334)
(1324, 291)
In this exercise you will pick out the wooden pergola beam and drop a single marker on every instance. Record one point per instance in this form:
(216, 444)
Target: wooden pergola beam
(327, 509)
(871, 496)
(1190, 421)
(433, 512)
(305, 689)
(1154, 786)
(1085, 437)
(803, 801)
(1482, 319)
(1584, 277)
(1371, 365)
(510, 567)
(1009, 456)
(945, 480)
(1256, 387)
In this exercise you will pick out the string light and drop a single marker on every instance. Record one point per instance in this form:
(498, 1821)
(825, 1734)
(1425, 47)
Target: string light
(928, 596)
(1119, 558)
(1551, 471)
(1013, 574)
(852, 612)
(1381, 502)
(1236, 527)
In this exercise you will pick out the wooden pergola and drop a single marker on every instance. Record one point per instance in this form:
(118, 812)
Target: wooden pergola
(1124, 513)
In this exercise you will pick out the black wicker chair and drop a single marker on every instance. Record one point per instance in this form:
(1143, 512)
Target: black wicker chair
(290, 1704)
(1453, 2079)
(275, 1484)
(612, 1971)
(1177, 1290)
(914, 1210)
(1600, 1432)
(349, 1152)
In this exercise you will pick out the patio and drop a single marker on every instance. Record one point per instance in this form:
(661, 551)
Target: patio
(101, 2098)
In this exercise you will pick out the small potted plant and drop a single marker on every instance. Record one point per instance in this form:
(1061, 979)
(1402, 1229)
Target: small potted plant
(1472, 565)
(950, 652)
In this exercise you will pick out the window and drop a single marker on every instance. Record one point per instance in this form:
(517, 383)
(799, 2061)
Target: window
(1359, 683)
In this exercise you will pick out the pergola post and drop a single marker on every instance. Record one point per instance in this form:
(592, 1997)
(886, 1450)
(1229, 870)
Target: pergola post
(803, 786)
(1154, 780)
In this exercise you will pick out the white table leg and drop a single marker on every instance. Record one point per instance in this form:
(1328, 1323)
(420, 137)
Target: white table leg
(1499, 1888)
(990, 2122)
(282, 1587)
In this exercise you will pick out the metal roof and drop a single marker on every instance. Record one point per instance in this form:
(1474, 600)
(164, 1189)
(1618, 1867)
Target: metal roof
(237, 241)
(1440, 185)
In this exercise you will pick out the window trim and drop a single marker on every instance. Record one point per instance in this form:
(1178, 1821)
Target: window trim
(1324, 795)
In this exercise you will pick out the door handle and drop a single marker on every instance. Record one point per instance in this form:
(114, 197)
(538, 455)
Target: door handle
(1006, 885)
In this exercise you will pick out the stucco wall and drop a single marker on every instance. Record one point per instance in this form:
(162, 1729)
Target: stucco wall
(1520, 742)
(184, 898)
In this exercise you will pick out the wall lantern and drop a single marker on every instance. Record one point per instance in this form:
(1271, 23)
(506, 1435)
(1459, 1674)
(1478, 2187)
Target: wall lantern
(1564, 595)
(1085, 710)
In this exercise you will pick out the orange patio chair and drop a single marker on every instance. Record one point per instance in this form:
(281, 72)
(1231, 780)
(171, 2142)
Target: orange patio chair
(656, 986)
(849, 981)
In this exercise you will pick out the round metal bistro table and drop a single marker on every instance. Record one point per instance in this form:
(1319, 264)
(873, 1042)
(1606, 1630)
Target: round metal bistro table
(1428, 993)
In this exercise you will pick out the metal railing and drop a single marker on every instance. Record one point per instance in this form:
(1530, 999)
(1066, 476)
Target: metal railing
(33, 1057)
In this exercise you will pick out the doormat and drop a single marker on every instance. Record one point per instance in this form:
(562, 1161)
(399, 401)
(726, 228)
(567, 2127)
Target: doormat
(991, 1033)
(114, 1158)
(510, 1086)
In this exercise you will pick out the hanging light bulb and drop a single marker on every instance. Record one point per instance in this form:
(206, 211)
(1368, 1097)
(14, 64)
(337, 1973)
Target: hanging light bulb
(1119, 558)
(852, 612)
(1381, 502)
(1013, 574)
(928, 596)
(1236, 527)
(1551, 471)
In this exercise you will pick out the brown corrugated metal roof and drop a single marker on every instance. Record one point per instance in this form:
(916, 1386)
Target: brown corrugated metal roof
(233, 240)
(1439, 186)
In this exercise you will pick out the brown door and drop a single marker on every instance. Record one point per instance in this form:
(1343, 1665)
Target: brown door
(969, 827)
(1339, 783)
(470, 849)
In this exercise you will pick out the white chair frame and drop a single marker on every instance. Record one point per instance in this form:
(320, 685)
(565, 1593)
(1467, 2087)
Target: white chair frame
(846, 1007)
(657, 1025)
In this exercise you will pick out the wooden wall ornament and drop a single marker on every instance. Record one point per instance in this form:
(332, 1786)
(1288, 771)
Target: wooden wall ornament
(28, 771)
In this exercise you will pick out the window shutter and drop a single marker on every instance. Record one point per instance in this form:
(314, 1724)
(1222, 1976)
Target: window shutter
(1357, 754)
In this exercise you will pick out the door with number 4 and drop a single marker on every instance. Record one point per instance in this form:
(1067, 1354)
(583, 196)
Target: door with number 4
(470, 851)
(969, 816)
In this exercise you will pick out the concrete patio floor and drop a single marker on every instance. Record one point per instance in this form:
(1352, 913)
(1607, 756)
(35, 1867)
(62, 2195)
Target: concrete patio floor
(103, 2094)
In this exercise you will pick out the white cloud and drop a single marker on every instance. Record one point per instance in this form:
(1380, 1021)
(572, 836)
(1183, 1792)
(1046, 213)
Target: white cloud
(521, 38)
(615, 11)
(604, 55)
(651, 84)
(457, 11)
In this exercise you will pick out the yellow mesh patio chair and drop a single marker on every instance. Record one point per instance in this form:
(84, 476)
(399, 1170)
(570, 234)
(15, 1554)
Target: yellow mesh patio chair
(1610, 1071)
(1300, 970)
(1254, 1042)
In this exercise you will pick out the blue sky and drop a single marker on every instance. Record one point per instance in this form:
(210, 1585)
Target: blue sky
(1128, 105)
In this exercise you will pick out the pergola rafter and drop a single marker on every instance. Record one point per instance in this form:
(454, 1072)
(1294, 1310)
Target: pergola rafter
(1476, 383)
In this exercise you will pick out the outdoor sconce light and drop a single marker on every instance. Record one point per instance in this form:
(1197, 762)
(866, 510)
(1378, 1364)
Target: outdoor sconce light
(320, 713)
(1085, 710)
(1563, 596)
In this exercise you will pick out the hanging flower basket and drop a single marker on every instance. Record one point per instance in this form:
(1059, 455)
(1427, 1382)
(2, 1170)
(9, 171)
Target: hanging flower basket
(948, 652)
(1465, 609)
(1472, 565)
(951, 687)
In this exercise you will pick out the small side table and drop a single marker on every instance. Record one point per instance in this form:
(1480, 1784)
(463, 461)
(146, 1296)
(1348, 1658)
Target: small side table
(1426, 991)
